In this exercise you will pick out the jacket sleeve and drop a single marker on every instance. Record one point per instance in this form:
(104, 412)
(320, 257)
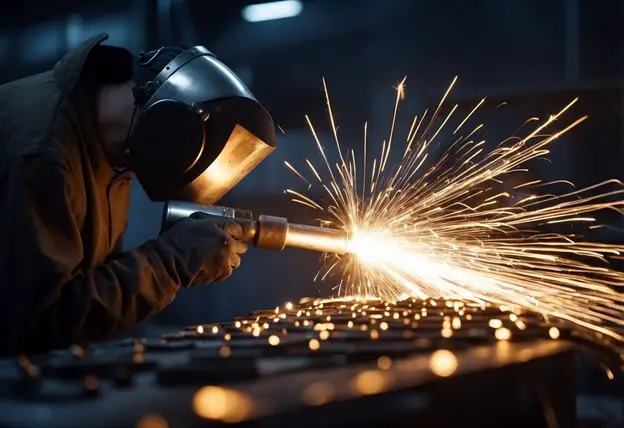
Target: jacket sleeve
(51, 298)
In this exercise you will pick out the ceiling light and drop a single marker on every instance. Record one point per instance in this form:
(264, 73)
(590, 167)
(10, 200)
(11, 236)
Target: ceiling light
(271, 11)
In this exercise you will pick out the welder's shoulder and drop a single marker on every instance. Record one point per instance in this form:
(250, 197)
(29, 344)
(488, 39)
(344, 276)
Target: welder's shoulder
(35, 121)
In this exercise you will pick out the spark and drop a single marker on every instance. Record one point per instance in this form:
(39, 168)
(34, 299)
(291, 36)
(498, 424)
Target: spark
(289, 166)
(384, 363)
(314, 345)
(444, 229)
(443, 363)
(494, 323)
(305, 199)
(468, 116)
(502, 334)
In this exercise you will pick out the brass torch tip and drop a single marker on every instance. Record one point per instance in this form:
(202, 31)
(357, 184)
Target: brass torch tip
(315, 238)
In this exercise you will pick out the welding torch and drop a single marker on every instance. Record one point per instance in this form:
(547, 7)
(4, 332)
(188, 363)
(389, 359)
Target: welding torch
(268, 232)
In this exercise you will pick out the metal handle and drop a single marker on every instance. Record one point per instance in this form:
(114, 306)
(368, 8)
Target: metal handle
(177, 210)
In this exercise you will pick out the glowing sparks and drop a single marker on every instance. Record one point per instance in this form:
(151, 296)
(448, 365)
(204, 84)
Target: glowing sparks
(443, 363)
(225, 351)
(494, 323)
(314, 345)
(456, 324)
(384, 363)
(609, 373)
(370, 382)
(443, 229)
(554, 333)
(502, 334)
(217, 403)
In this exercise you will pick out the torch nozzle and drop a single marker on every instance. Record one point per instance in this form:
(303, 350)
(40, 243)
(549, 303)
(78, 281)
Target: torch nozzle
(268, 232)
(314, 238)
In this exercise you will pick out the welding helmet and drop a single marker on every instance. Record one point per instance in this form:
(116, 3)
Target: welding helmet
(198, 130)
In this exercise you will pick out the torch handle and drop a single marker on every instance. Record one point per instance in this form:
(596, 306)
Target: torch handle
(268, 232)
(177, 210)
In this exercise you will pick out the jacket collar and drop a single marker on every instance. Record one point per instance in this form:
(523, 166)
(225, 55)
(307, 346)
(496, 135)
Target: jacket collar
(67, 71)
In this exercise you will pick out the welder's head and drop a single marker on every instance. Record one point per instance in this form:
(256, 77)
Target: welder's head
(199, 130)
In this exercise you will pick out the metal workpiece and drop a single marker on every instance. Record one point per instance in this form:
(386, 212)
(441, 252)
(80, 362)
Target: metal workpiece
(267, 232)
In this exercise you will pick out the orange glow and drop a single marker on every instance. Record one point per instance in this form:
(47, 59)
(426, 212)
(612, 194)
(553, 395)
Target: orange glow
(443, 363)
(222, 404)
(370, 382)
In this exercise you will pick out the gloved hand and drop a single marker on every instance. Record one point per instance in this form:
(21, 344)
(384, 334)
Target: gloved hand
(207, 247)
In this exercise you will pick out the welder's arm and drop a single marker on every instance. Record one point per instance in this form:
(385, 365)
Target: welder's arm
(52, 298)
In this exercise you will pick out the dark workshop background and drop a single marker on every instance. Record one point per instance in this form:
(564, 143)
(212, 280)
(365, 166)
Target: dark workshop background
(535, 55)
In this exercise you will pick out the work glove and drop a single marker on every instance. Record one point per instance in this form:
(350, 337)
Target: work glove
(207, 247)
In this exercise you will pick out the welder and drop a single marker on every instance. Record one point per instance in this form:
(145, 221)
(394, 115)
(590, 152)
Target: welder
(71, 139)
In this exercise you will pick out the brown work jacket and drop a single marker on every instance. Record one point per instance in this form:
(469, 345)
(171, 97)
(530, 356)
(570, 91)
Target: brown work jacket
(63, 210)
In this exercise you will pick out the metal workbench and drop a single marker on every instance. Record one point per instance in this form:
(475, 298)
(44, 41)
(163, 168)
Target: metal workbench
(334, 364)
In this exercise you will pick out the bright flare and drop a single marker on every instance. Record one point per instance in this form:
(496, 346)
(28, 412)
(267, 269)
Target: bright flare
(446, 231)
